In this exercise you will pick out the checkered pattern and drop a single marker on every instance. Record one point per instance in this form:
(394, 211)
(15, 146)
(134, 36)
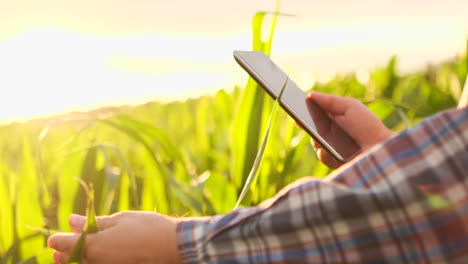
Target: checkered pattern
(404, 201)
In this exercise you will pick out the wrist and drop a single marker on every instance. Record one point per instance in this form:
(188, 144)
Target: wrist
(176, 259)
(380, 137)
(389, 134)
(161, 246)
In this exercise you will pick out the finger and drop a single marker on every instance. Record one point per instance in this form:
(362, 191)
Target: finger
(77, 223)
(315, 145)
(106, 222)
(63, 242)
(327, 159)
(298, 125)
(60, 257)
(333, 104)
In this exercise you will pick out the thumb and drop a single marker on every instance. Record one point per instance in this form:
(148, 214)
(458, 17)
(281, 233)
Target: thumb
(77, 223)
(332, 104)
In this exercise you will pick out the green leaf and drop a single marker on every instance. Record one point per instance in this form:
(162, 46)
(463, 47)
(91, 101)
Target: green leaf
(248, 122)
(78, 251)
(260, 152)
(28, 207)
(89, 174)
(32, 260)
(67, 185)
(221, 192)
(91, 226)
(6, 212)
(139, 131)
(12, 252)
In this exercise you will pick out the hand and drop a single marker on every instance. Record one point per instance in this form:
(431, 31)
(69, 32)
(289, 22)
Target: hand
(127, 237)
(354, 118)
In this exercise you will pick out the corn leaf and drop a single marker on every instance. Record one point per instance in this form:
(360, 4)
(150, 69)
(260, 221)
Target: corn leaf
(28, 207)
(260, 152)
(248, 122)
(91, 227)
(6, 213)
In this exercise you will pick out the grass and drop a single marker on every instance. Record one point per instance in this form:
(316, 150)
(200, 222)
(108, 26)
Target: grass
(183, 158)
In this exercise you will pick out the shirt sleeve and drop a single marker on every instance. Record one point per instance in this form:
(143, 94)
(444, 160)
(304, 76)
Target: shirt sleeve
(404, 201)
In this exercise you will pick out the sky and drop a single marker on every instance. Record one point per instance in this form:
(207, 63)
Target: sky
(61, 55)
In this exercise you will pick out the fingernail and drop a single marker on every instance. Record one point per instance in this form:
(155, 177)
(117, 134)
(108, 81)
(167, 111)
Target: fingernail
(77, 220)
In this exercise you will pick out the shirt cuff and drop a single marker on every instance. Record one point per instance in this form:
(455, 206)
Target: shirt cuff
(191, 235)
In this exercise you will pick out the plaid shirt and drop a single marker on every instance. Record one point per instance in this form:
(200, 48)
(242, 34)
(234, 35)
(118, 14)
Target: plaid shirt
(404, 201)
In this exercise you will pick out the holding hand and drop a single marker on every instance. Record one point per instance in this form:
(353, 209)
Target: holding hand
(127, 237)
(354, 118)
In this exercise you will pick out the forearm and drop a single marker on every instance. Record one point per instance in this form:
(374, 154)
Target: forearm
(310, 222)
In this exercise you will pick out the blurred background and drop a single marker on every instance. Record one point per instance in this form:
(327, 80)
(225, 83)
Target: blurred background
(143, 100)
(58, 56)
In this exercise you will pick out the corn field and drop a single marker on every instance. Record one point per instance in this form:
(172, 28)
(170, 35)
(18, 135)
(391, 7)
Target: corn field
(183, 158)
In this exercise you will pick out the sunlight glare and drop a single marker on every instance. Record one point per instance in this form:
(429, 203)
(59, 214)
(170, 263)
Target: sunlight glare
(46, 71)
